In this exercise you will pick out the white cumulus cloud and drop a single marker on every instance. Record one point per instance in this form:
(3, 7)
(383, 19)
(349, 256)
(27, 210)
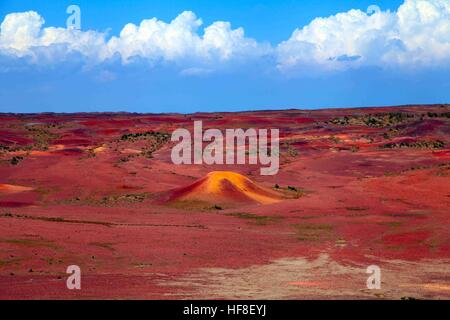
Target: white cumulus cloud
(417, 34)
(22, 34)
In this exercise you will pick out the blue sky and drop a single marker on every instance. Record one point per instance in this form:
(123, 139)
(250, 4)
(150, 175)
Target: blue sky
(242, 55)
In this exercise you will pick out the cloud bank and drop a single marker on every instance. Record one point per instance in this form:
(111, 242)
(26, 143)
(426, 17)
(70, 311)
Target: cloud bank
(416, 35)
(22, 35)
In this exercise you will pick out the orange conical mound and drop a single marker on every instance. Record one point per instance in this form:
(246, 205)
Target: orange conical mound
(226, 186)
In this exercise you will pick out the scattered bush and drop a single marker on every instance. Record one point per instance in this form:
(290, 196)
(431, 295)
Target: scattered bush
(16, 159)
(438, 115)
(162, 136)
(374, 120)
(437, 144)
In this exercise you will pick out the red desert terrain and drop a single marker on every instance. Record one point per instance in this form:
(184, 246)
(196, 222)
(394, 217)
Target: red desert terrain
(355, 187)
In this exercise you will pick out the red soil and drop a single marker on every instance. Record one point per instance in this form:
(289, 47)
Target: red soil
(79, 196)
